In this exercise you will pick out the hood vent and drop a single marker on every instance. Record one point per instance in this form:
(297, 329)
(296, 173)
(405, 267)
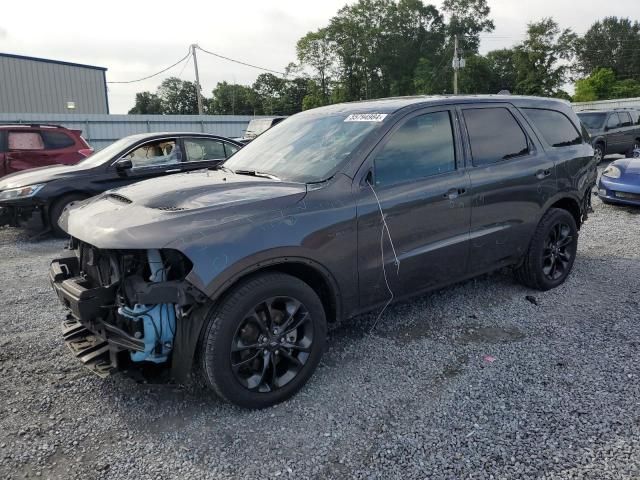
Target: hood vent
(170, 209)
(119, 198)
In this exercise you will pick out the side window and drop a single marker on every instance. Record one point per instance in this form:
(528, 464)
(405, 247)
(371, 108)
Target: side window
(230, 149)
(56, 140)
(625, 119)
(494, 135)
(422, 147)
(155, 154)
(3, 141)
(200, 149)
(612, 121)
(554, 126)
(25, 141)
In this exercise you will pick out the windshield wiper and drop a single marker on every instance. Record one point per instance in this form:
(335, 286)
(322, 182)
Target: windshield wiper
(255, 173)
(226, 169)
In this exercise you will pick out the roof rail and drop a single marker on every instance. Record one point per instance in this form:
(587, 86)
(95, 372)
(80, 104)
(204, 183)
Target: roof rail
(31, 125)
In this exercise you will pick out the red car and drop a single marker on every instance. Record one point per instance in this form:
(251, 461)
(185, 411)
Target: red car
(29, 146)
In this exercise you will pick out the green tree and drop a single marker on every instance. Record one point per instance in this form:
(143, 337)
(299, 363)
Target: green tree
(233, 99)
(542, 61)
(468, 19)
(603, 85)
(316, 50)
(610, 43)
(147, 103)
(178, 97)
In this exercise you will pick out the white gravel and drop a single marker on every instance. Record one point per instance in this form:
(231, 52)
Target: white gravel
(474, 381)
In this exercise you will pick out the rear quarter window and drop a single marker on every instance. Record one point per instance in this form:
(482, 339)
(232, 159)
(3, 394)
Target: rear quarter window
(556, 129)
(56, 140)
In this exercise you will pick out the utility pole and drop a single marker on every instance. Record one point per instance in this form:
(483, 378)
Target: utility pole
(195, 64)
(456, 64)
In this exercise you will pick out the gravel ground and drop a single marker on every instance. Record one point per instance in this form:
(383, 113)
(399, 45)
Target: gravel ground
(475, 381)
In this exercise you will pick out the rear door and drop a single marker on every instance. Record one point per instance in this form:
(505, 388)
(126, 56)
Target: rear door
(413, 203)
(615, 134)
(628, 131)
(202, 152)
(511, 179)
(25, 150)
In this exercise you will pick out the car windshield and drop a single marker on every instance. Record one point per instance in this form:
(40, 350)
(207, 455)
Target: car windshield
(107, 153)
(592, 120)
(306, 147)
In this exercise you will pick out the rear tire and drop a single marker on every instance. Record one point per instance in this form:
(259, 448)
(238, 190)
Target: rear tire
(263, 341)
(598, 152)
(636, 144)
(551, 253)
(56, 210)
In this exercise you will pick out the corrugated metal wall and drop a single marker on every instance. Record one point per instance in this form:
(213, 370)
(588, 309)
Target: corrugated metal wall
(607, 104)
(31, 85)
(101, 130)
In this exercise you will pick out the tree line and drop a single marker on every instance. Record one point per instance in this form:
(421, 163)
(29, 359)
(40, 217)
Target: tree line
(380, 48)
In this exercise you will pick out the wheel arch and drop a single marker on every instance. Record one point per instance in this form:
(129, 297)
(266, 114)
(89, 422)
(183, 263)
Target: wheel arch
(571, 205)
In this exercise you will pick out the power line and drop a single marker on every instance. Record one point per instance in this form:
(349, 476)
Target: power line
(157, 73)
(186, 64)
(240, 62)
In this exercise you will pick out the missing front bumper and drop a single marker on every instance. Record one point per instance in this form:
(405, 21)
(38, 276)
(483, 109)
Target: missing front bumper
(92, 350)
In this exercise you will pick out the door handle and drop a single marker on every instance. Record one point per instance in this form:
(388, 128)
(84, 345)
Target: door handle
(540, 174)
(454, 193)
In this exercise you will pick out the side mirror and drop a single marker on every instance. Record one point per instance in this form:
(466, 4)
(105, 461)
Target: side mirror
(123, 165)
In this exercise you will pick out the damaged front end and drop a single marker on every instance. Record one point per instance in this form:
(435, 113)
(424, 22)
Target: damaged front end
(126, 307)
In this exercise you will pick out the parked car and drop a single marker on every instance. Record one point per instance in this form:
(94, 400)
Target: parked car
(31, 146)
(620, 182)
(335, 212)
(50, 190)
(612, 131)
(258, 126)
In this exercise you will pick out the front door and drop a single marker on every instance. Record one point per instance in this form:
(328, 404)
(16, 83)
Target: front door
(413, 205)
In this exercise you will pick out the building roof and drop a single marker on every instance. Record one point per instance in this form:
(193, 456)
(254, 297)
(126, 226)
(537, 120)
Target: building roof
(46, 60)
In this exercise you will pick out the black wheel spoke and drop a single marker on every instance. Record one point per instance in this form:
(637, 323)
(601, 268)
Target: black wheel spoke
(247, 361)
(565, 241)
(271, 344)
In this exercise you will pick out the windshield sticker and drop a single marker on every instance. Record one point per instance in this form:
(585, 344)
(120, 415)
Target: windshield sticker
(365, 117)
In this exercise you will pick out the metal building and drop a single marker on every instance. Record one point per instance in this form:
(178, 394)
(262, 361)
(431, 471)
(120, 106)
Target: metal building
(38, 85)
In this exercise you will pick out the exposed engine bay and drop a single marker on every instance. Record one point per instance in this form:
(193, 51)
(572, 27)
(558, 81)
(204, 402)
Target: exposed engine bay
(124, 305)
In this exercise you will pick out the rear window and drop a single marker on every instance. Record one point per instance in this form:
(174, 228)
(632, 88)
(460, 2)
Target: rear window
(25, 141)
(555, 127)
(494, 134)
(56, 140)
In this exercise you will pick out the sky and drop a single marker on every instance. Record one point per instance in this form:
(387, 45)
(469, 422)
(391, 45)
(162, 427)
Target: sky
(133, 39)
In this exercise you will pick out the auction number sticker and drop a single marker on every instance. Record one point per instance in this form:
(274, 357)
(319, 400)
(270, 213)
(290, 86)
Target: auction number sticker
(366, 117)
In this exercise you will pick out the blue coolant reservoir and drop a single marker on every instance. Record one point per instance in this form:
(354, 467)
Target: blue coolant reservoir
(158, 321)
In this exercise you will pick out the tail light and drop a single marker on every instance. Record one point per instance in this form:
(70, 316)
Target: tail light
(85, 152)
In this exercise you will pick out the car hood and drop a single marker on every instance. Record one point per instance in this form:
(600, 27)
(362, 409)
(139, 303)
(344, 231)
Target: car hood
(35, 176)
(160, 212)
(628, 166)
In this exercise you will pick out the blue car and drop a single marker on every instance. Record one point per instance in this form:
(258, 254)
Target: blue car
(620, 182)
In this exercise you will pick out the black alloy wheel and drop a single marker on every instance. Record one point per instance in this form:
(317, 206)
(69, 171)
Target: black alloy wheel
(263, 340)
(558, 252)
(272, 344)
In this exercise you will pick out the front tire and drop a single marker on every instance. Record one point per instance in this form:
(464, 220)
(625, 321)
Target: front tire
(598, 152)
(551, 253)
(56, 210)
(263, 341)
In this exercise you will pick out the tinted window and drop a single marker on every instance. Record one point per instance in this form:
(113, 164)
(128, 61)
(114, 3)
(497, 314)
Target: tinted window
(56, 140)
(201, 149)
(625, 119)
(554, 126)
(3, 142)
(422, 147)
(155, 154)
(592, 120)
(494, 135)
(612, 121)
(25, 141)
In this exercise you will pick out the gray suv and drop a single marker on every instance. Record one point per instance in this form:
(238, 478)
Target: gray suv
(234, 273)
(612, 131)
